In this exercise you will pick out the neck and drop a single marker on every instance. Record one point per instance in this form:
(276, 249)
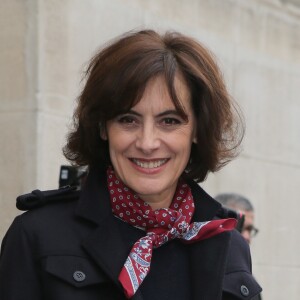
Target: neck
(163, 200)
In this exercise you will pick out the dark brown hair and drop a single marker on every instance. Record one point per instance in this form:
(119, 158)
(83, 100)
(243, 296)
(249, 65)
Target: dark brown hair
(116, 79)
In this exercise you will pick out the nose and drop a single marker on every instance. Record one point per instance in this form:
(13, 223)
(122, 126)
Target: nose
(147, 139)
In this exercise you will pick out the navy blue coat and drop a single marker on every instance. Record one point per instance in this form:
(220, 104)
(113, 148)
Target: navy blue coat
(75, 248)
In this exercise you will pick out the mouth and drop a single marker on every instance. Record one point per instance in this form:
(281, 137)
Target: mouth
(149, 164)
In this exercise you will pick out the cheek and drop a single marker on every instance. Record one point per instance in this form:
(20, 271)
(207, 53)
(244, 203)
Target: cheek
(118, 142)
(187, 137)
(180, 143)
(113, 140)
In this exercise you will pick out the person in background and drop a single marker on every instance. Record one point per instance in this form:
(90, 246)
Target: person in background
(153, 119)
(240, 204)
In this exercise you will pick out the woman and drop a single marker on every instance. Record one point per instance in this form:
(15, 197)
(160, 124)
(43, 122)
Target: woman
(153, 119)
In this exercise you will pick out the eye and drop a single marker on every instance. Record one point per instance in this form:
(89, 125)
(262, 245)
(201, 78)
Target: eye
(126, 120)
(171, 121)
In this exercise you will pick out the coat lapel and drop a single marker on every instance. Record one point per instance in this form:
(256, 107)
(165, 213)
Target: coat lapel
(109, 246)
(207, 257)
(111, 239)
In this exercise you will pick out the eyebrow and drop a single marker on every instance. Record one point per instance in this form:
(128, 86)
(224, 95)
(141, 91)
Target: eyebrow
(164, 113)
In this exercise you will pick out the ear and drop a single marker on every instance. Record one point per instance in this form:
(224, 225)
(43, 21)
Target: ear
(195, 140)
(102, 132)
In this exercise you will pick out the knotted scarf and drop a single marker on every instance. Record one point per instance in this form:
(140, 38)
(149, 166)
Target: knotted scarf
(161, 226)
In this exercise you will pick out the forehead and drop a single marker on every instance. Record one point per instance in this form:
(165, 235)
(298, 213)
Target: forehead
(158, 94)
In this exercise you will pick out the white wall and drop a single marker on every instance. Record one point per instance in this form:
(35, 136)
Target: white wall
(44, 45)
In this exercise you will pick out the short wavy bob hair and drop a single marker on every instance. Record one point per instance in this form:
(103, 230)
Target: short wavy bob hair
(116, 78)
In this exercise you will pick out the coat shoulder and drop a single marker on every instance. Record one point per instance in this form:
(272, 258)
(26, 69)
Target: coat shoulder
(38, 198)
(46, 209)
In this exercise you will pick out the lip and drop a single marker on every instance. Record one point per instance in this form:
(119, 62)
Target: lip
(149, 166)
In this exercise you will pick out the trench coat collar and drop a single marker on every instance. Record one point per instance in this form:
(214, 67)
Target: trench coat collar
(111, 240)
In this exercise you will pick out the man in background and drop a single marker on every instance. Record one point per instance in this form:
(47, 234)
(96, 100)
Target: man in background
(243, 205)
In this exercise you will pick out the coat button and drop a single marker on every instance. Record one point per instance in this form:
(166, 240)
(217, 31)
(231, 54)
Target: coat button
(244, 291)
(79, 276)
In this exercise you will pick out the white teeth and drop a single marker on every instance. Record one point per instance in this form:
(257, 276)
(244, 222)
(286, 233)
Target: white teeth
(149, 165)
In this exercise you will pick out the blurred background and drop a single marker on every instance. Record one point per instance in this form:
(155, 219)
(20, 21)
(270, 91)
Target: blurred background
(44, 48)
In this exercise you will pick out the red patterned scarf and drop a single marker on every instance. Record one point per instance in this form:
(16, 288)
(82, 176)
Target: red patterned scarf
(161, 226)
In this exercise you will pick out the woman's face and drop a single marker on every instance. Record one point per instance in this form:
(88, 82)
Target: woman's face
(150, 145)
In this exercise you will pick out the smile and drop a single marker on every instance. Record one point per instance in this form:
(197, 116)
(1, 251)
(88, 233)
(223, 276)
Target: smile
(149, 164)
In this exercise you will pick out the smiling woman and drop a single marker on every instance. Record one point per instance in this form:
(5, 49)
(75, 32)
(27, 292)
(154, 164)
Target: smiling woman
(153, 119)
(150, 145)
